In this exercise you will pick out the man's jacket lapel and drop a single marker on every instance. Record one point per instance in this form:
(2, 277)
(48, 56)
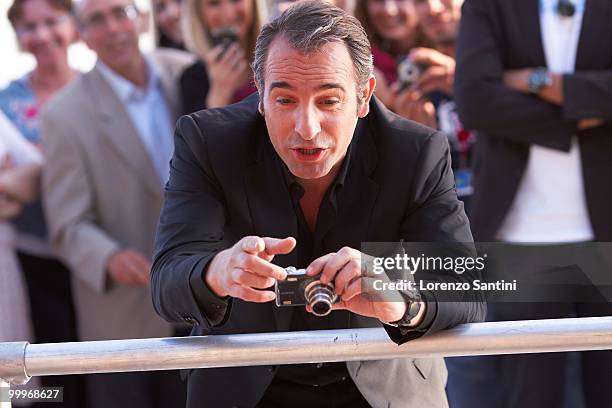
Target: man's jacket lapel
(120, 133)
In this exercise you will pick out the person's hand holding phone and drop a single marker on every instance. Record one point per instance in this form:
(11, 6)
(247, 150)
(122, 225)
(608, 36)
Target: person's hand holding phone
(228, 70)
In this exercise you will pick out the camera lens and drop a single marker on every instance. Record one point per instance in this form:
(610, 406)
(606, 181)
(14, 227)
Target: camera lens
(320, 297)
(408, 72)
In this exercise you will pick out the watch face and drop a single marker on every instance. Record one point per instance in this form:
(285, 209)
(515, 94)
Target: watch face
(538, 79)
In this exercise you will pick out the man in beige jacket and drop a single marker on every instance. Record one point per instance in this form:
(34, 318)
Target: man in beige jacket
(108, 139)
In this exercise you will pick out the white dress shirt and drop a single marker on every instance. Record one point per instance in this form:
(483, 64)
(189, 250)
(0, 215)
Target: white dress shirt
(550, 204)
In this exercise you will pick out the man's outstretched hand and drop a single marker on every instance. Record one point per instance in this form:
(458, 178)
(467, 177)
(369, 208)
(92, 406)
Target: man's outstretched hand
(244, 269)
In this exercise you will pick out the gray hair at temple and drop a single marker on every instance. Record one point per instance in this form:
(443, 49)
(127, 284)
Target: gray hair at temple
(308, 26)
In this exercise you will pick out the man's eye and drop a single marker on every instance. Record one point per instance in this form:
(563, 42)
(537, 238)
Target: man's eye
(284, 101)
(330, 102)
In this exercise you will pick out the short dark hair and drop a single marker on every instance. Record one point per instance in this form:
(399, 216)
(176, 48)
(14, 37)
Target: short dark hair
(308, 26)
(15, 11)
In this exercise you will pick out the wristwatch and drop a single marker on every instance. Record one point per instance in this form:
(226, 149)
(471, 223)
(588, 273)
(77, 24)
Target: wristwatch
(413, 307)
(538, 79)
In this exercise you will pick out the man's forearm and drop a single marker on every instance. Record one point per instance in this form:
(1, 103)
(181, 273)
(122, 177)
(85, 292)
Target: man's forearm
(554, 95)
(518, 80)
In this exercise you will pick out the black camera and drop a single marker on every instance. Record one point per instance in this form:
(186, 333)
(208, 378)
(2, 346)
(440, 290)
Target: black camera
(408, 72)
(299, 289)
(223, 37)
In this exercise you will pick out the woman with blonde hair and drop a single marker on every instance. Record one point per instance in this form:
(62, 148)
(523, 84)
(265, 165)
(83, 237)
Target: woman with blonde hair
(222, 34)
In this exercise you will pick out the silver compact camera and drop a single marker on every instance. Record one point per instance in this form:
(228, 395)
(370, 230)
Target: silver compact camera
(299, 289)
(408, 72)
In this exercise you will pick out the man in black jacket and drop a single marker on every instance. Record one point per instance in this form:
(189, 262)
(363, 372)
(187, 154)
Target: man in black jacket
(328, 168)
(534, 79)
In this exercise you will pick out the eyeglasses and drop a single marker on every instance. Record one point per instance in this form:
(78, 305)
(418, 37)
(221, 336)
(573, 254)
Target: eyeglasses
(25, 29)
(119, 14)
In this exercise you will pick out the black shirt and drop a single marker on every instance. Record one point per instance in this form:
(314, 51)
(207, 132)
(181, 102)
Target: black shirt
(309, 248)
(320, 384)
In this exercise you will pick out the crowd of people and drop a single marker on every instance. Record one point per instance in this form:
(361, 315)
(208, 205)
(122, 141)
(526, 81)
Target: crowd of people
(520, 90)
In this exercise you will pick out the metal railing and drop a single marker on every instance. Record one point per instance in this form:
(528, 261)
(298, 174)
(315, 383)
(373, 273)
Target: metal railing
(20, 360)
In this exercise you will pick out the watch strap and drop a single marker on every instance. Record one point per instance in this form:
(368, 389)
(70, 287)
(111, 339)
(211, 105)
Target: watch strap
(413, 307)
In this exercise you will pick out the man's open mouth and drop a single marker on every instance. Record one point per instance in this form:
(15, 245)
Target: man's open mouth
(309, 151)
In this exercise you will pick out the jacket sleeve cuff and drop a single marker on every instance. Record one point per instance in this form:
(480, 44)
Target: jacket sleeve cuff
(214, 309)
(401, 334)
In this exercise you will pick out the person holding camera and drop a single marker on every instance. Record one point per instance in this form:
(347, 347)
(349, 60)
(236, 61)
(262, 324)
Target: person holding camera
(424, 90)
(393, 29)
(425, 76)
(222, 35)
(301, 174)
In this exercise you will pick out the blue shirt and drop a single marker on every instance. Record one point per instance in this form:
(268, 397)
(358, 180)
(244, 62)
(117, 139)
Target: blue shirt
(18, 103)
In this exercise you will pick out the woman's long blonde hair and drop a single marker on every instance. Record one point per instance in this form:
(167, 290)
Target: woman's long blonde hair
(195, 30)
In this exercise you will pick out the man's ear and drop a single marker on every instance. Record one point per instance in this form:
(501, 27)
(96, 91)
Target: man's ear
(365, 97)
(260, 106)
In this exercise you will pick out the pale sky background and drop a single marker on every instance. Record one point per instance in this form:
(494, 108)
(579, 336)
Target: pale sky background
(14, 63)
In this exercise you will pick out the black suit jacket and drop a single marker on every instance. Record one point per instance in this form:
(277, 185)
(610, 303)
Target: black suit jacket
(499, 35)
(399, 185)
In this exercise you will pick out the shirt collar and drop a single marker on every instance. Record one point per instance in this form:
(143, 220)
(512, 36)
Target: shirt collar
(126, 90)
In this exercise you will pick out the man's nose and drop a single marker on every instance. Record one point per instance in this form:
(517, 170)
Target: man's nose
(112, 24)
(307, 123)
(42, 32)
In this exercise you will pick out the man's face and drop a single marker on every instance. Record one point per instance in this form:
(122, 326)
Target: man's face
(439, 19)
(311, 108)
(111, 29)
